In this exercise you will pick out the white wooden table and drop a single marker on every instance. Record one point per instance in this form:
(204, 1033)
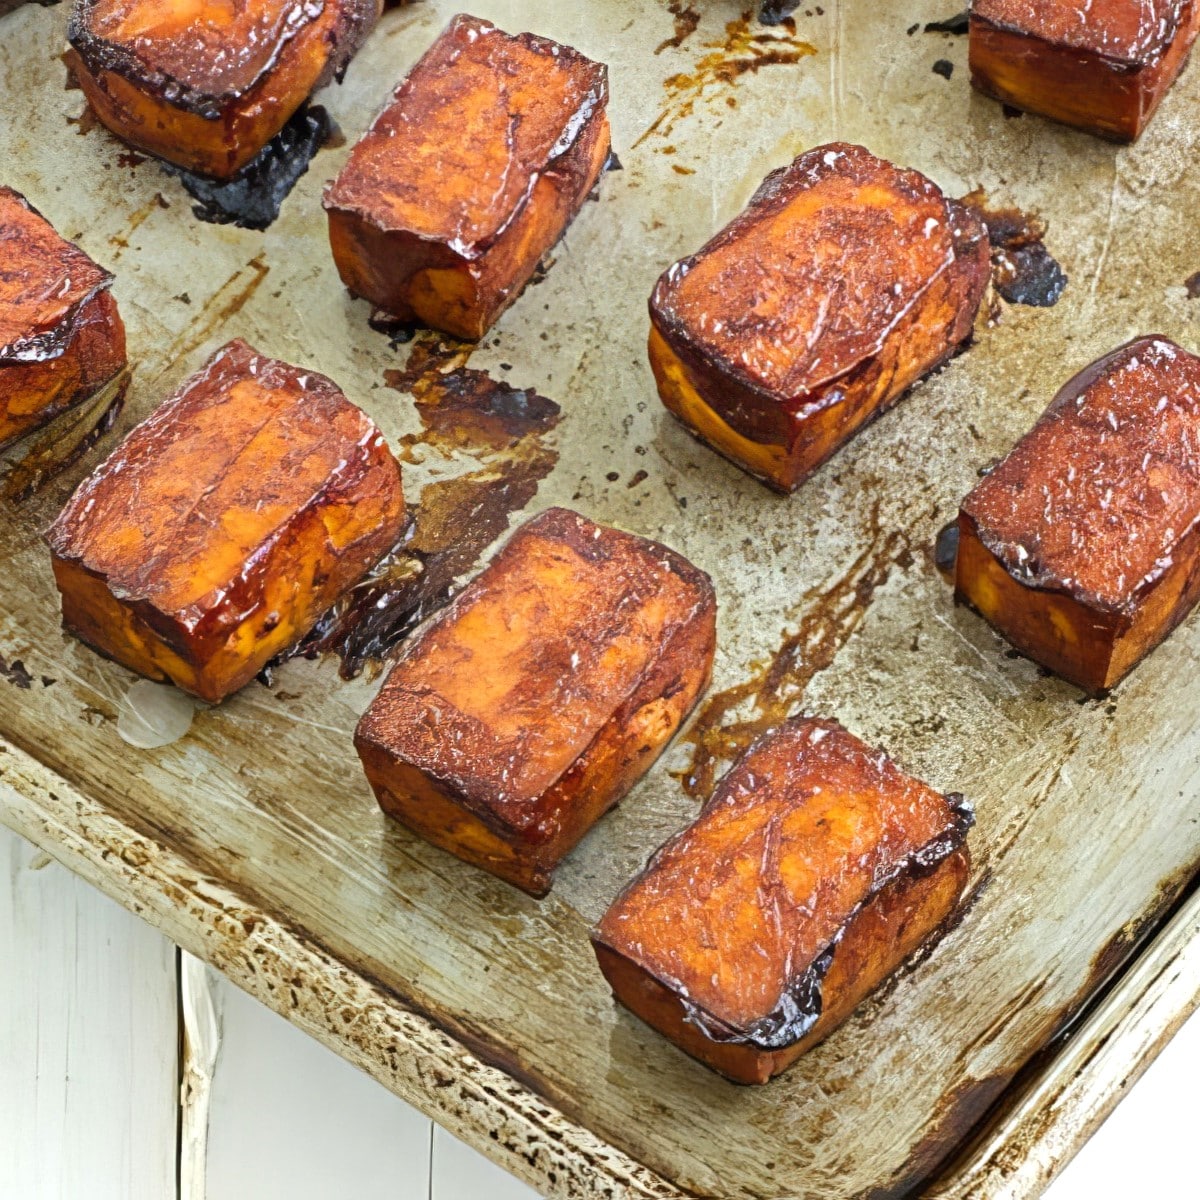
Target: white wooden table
(100, 1015)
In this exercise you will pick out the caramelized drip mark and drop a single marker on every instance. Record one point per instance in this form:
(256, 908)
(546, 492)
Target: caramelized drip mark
(253, 197)
(1192, 283)
(744, 49)
(945, 549)
(86, 121)
(506, 430)
(67, 439)
(1023, 270)
(686, 22)
(732, 720)
(958, 24)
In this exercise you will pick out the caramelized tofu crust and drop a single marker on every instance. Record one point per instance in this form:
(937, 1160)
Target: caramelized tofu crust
(816, 867)
(207, 86)
(1101, 65)
(1083, 546)
(226, 523)
(61, 336)
(541, 695)
(844, 281)
(471, 173)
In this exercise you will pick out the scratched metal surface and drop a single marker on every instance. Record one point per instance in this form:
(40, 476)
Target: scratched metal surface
(1088, 816)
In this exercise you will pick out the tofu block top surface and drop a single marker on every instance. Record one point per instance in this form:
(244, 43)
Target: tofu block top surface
(515, 680)
(197, 53)
(454, 156)
(44, 282)
(181, 510)
(1095, 498)
(803, 830)
(1131, 32)
(811, 277)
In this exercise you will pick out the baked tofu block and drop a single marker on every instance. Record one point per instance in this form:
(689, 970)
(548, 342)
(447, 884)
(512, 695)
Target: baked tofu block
(1083, 546)
(843, 282)
(61, 336)
(541, 695)
(1101, 65)
(471, 173)
(814, 870)
(207, 86)
(226, 523)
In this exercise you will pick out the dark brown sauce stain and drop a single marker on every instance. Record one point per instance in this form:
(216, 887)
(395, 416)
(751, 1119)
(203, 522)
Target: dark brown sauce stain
(958, 1113)
(506, 430)
(719, 735)
(687, 20)
(253, 197)
(943, 67)
(1023, 270)
(945, 550)
(743, 50)
(66, 440)
(1192, 283)
(16, 673)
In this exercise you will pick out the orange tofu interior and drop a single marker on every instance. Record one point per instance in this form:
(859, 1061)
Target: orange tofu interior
(1083, 546)
(1100, 65)
(843, 282)
(470, 174)
(816, 867)
(541, 695)
(207, 86)
(61, 336)
(226, 523)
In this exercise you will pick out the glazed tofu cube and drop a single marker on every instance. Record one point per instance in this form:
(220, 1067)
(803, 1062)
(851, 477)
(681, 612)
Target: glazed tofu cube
(843, 282)
(814, 870)
(207, 86)
(1083, 546)
(226, 523)
(541, 695)
(1101, 65)
(61, 336)
(471, 173)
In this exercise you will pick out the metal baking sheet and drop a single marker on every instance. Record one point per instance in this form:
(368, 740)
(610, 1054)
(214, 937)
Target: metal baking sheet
(255, 840)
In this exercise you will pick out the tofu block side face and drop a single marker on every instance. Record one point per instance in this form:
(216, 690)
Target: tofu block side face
(843, 282)
(814, 870)
(61, 335)
(541, 695)
(1100, 65)
(207, 86)
(470, 174)
(1083, 546)
(226, 523)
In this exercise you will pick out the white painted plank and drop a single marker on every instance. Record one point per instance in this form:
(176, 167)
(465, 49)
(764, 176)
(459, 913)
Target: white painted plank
(460, 1173)
(290, 1120)
(1148, 1146)
(88, 1036)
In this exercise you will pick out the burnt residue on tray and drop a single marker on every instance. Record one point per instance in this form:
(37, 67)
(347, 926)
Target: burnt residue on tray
(507, 431)
(1192, 283)
(745, 48)
(945, 549)
(730, 721)
(943, 67)
(687, 20)
(960, 23)
(1023, 270)
(66, 440)
(252, 198)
